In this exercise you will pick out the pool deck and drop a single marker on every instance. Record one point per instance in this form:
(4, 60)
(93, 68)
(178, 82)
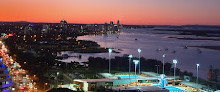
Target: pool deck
(145, 89)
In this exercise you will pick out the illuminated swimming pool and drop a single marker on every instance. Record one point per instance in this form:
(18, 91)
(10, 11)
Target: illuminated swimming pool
(126, 77)
(174, 89)
(171, 89)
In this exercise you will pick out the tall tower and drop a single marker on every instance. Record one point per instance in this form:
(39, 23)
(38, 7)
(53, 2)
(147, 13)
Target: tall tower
(118, 23)
(106, 27)
(111, 22)
(63, 24)
(82, 29)
(111, 27)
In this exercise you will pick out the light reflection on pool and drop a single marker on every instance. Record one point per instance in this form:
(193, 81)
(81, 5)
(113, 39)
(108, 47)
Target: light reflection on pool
(174, 89)
(126, 77)
(171, 88)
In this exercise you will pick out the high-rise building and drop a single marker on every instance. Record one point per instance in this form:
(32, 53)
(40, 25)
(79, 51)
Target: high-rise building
(106, 27)
(119, 26)
(111, 27)
(81, 29)
(63, 24)
(29, 29)
(5, 80)
(118, 23)
(45, 29)
(111, 22)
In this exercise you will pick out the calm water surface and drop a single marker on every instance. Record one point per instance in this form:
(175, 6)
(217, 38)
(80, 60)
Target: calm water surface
(149, 41)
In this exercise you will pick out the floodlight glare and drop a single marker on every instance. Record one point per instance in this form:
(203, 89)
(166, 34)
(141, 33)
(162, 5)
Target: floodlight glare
(136, 62)
(174, 61)
(110, 50)
(164, 55)
(139, 50)
(130, 56)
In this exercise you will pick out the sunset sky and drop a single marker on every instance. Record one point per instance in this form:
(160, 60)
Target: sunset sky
(141, 12)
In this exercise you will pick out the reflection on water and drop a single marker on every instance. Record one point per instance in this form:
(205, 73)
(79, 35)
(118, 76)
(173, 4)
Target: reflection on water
(153, 44)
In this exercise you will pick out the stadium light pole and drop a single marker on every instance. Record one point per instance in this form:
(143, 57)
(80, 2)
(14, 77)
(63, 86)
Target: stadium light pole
(135, 63)
(163, 62)
(130, 56)
(109, 62)
(174, 62)
(135, 68)
(157, 68)
(197, 74)
(139, 51)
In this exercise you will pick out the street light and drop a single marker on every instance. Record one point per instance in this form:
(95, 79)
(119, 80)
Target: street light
(163, 62)
(130, 56)
(135, 62)
(109, 66)
(13, 89)
(197, 73)
(45, 85)
(139, 51)
(174, 62)
(57, 77)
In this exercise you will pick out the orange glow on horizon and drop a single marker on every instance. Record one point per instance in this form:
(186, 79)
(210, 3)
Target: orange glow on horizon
(140, 12)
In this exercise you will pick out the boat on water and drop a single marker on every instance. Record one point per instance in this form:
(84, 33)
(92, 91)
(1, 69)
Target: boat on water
(185, 47)
(158, 50)
(174, 51)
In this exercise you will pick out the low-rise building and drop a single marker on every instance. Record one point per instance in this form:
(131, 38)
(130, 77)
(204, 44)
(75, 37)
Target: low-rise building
(5, 80)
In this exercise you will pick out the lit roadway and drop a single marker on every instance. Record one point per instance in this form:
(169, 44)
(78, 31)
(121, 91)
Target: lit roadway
(22, 82)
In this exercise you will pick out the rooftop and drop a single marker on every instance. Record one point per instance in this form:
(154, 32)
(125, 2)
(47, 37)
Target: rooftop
(94, 80)
(146, 88)
(108, 76)
(60, 90)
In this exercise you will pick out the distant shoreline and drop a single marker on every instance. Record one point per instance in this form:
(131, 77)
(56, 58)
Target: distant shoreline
(208, 47)
(184, 38)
